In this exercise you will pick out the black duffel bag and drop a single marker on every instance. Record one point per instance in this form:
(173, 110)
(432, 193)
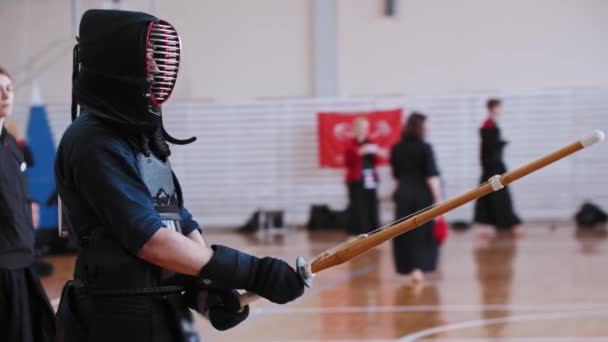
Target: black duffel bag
(590, 215)
(321, 217)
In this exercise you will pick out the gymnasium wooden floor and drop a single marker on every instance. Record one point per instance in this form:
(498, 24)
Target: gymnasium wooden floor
(552, 285)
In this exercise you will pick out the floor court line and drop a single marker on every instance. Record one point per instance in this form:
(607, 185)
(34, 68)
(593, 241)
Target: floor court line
(508, 319)
(523, 339)
(337, 340)
(477, 339)
(433, 308)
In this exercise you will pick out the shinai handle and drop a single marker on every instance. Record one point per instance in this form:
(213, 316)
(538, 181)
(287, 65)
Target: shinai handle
(362, 243)
(247, 298)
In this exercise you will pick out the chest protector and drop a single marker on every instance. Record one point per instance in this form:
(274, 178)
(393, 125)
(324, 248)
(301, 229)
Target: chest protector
(158, 177)
(104, 265)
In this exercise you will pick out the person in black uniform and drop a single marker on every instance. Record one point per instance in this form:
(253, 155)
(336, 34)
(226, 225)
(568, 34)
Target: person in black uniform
(25, 312)
(361, 159)
(142, 261)
(414, 167)
(494, 211)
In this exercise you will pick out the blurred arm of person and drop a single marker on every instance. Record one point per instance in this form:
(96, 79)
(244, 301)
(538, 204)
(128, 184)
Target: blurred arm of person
(368, 148)
(372, 148)
(432, 173)
(35, 214)
(434, 184)
(393, 161)
(382, 152)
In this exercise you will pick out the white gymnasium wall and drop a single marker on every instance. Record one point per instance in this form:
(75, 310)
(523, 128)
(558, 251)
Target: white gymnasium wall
(37, 43)
(442, 46)
(263, 154)
(233, 49)
(241, 49)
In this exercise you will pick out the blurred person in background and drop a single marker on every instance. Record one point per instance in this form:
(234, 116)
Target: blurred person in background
(414, 167)
(361, 158)
(495, 211)
(42, 268)
(25, 312)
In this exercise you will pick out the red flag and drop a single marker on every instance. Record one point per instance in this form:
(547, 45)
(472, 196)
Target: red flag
(335, 130)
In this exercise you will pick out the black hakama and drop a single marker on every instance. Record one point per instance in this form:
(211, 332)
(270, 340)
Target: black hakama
(26, 314)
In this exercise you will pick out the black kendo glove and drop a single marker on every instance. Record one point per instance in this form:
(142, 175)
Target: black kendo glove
(221, 306)
(268, 277)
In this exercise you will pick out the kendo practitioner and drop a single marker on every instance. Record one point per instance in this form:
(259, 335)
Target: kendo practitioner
(494, 211)
(415, 169)
(142, 261)
(25, 312)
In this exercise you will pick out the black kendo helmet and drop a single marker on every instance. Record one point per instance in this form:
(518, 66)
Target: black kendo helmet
(111, 76)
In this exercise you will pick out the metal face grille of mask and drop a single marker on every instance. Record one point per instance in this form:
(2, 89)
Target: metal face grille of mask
(163, 56)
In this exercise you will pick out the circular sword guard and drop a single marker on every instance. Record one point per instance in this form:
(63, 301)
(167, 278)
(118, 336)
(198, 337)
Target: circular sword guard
(303, 269)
